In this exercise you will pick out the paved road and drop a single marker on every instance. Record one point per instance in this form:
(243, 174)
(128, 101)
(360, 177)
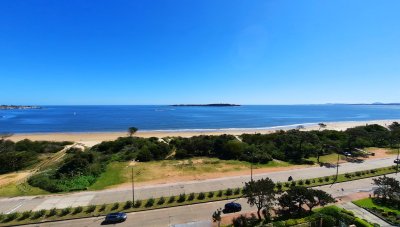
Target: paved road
(121, 195)
(201, 212)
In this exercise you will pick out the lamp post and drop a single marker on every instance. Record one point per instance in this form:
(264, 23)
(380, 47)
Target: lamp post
(251, 164)
(337, 163)
(397, 159)
(133, 188)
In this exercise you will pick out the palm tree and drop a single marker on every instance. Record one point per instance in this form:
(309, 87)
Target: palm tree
(132, 130)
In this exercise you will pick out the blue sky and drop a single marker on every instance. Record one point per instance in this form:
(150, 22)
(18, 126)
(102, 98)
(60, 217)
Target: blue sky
(206, 51)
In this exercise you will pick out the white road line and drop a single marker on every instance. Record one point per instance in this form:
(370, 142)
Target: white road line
(12, 210)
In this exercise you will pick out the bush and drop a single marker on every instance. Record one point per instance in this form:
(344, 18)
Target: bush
(347, 175)
(326, 179)
(182, 198)
(210, 194)
(301, 182)
(287, 184)
(191, 196)
(237, 191)
(52, 212)
(293, 183)
(115, 206)
(228, 192)
(149, 203)
(358, 173)
(219, 194)
(25, 215)
(91, 209)
(201, 196)
(308, 182)
(103, 207)
(138, 203)
(161, 201)
(128, 205)
(320, 180)
(11, 216)
(65, 211)
(171, 199)
(77, 210)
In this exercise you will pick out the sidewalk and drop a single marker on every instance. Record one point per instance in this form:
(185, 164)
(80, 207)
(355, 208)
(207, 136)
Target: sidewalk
(364, 214)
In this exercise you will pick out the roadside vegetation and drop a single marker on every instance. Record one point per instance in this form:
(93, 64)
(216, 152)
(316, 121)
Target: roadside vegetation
(90, 169)
(386, 201)
(15, 156)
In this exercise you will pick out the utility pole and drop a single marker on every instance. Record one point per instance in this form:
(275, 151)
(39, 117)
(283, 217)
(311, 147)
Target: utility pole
(397, 159)
(133, 188)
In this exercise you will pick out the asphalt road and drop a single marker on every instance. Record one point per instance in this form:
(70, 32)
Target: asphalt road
(203, 212)
(121, 195)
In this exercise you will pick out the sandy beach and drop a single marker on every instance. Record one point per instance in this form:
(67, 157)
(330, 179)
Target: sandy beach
(92, 138)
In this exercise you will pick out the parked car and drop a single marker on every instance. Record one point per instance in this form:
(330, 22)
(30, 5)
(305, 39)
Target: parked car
(397, 161)
(115, 217)
(232, 207)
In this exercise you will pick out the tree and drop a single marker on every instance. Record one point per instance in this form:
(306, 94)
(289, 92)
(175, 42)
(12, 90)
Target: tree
(321, 126)
(388, 187)
(217, 216)
(132, 130)
(296, 197)
(260, 193)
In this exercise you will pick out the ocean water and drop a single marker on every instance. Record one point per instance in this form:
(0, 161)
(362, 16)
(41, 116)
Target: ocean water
(156, 117)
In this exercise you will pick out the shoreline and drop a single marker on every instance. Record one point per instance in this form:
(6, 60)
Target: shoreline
(92, 138)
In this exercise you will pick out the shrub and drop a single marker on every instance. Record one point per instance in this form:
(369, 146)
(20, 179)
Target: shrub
(287, 184)
(279, 186)
(228, 192)
(237, 191)
(138, 203)
(293, 183)
(347, 175)
(52, 212)
(128, 204)
(201, 196)
(66, 211)
(191, 196)
(25, 215)
(219, 194)
(320, 180)
(308, 182)
(91, 209)
(182, 198)
(210, 194)
(171, 199)
(11, 216)
(301, 182)
(358, 173)
(77, 210)
(115, 206)
(161, 201)
(103, 207)
(326, 179)
(149, 203)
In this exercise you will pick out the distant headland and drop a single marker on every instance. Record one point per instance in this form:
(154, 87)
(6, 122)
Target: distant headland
(210, 105)
(15, 107)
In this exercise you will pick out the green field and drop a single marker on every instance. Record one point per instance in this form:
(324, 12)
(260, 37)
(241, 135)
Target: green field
(369, 204)
(330, 158)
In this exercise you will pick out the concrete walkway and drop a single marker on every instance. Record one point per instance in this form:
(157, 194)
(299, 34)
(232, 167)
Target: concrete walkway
(364, 214)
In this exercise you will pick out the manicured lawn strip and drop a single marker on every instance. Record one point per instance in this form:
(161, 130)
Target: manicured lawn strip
(216, 196)
(383, 211)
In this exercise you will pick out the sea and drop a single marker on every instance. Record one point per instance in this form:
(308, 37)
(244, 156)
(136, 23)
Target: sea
(114, 118)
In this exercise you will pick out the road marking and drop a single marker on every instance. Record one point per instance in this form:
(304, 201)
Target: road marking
(12, 210)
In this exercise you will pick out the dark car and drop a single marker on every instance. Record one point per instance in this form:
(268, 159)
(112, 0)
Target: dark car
(232, 207)
(115, 217)
(397, 161)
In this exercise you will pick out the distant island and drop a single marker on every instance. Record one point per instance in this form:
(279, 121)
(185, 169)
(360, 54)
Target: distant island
(15, 107)
(211, 105)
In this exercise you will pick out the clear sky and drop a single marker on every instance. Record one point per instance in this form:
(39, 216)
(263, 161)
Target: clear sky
(199, 51)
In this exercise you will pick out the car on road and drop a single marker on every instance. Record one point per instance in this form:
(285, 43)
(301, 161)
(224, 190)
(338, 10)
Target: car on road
(232, 207)
(115, 217)
(397, 161)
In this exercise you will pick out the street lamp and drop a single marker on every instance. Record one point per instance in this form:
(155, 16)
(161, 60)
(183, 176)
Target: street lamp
(251, 164)
(397, 159)
(337, 163)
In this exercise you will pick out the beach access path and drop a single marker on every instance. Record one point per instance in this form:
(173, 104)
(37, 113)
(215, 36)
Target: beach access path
(154, 191)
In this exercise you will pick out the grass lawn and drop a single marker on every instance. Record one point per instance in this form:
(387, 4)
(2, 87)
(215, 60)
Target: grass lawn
(369, 203)
(120, 172)
(391, 151)
(24, 189)
(330, 158)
